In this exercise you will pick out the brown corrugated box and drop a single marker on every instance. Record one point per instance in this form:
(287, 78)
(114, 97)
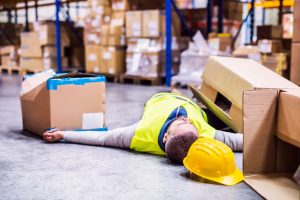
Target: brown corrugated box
(269, 32)
(34, 51)
(117, 24)
(220, 42)
(47, 35)
(225, 80)
(268, 162)
(120, 5)
(30, 38)
(53, 105)
(113, 60)
(134, 23)
(92, 37)
(10, 50)
(116, 40)
(8, 61)
(94, 3)
(92, 58)
(40, 63)
(270, 46)
(295, 63)
(296, 31)
(49, 51)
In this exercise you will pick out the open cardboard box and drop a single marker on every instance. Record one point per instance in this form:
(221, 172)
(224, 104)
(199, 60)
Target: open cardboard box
(67, 102)
(266, 105)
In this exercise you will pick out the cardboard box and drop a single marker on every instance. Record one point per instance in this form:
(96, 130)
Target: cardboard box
(120, 5)
(288, 125)
(94, 3)
(92, 37)
(8, 61)
(93, 58)
(48, 101)
(50, 51)
(47, 35)
(269, 32)
(226, 79)
(10, 50)
(117, 24)
(30, 39)
(134, 23)
(113, 60)
(116, 41)
(270, 173)
(77, 57)
(296, 29)
(270, 46)
(51, 63)
(34, 51)
(295, 63)
(277, 62)
(31, 63)
(220, 42)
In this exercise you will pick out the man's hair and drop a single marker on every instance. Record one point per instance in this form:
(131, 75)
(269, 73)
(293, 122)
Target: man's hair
(178, 146)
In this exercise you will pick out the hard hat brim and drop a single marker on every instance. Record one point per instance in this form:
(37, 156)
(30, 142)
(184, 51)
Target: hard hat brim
(231, 179)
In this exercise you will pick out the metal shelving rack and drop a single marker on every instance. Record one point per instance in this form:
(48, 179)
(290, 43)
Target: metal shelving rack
(168, 5)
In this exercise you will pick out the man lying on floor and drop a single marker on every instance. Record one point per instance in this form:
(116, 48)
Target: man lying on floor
(169, 125)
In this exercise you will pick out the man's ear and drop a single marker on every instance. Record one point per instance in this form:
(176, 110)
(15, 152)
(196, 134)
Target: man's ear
(165, 138)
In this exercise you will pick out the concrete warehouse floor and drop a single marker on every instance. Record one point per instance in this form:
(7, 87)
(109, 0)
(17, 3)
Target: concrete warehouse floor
(33, 169)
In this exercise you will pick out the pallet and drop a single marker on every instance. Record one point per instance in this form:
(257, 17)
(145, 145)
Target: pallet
(141, 80)
(10, 69)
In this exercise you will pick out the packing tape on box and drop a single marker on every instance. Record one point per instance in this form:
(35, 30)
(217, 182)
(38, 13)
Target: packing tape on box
(53, 83)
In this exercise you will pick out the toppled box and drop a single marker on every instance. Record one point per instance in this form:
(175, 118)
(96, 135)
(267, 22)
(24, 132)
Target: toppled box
(268, 162)
(47, 101)
(224, 81)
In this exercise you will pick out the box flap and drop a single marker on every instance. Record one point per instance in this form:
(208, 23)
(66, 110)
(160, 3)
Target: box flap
(259, 114)
(274, 186)
(31, 82)
(232, 76)
(288, 126)
(74, 78)
(211, 106)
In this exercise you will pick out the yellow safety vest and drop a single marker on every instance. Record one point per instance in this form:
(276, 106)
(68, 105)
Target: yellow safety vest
(156, 112)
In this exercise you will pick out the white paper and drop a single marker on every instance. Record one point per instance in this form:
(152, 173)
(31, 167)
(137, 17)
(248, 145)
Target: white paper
(92, 57)
(92, 120)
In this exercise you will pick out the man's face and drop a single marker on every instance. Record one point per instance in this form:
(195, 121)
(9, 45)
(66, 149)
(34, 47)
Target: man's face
(180, 126)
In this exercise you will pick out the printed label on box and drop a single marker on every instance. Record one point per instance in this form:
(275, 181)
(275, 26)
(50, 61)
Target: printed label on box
(92, 120)
(106, 55)
(92, 57)
(43, 35)
(153, 28)
(111, 70)
(136, 28)
(96, 69)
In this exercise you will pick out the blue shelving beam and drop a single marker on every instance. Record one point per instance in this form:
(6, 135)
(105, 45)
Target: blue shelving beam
(58, 41)
(168, 5)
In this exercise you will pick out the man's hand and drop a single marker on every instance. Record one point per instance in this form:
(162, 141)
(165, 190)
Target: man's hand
(53, 136)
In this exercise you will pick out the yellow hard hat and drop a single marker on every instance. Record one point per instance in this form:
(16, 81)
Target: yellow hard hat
(213, 160)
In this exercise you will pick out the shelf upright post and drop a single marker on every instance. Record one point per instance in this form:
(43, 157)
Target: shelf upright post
(280, 12)
(26, 16)
(57, 30)
(252, 18)
(220, 16)
(36, 10)
(168, 5)
(209, 17)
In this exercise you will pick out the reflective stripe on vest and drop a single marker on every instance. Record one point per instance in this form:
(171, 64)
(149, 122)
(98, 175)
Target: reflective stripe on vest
(156, 112)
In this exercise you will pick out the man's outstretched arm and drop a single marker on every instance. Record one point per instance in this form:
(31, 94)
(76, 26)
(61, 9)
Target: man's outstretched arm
(233, 140)
(120, 137)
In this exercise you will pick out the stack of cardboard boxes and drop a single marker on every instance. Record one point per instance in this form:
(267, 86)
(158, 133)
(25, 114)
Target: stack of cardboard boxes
(145, 33)
(264, 106)
(270, 45)
(104, 37)
(9, 56)
(38, 51)
(295, 58)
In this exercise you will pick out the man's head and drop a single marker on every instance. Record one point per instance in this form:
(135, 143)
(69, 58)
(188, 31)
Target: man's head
(180, 135)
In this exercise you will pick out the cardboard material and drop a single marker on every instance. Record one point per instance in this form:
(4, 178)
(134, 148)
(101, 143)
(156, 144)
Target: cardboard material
(33, 51)
(113, 60)
(93, 58)
(30, 38)
(220, 42)
(116, 41)
(10, 50)
(295, 63)
(296, 28)
(31, 63)
(269, 32)
(288, 126)
(228, 78)
(48, 102)
(134, 23)
(269, 173)
(270, 46)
